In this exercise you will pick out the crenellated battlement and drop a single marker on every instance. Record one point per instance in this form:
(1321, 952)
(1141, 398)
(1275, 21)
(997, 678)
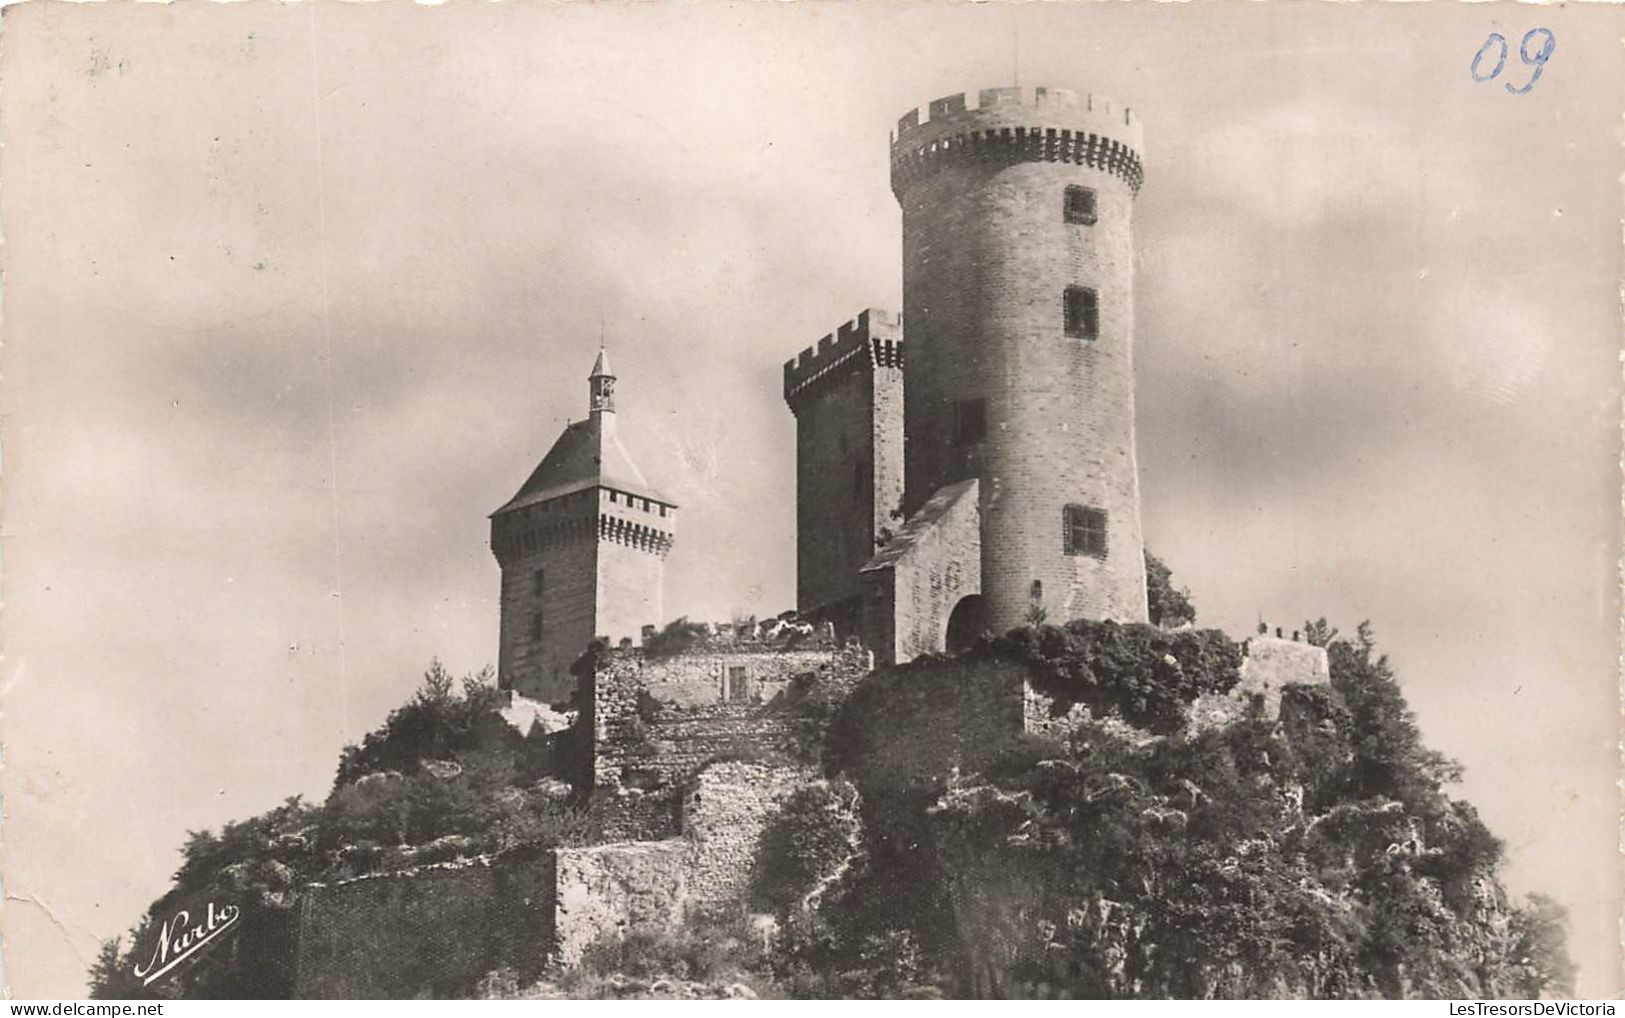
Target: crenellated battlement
(1019, 124)
(641, 536)
(873, 339)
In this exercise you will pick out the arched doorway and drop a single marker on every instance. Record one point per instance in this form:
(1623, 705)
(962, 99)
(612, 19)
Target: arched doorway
(966, 623)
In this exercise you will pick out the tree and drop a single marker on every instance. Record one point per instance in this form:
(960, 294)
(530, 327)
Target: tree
(434, 725)
(1540, 954)
(1168, 606)
(111, 978)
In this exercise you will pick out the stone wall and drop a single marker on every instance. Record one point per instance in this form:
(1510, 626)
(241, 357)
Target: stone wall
(1272, 663)
(626, 813)
(609, 891)
(911, 587)
(554, 576)
(726, 808)
(656, 720)
(708, 676)
(941, 714)
(847, 395)
(429, 932)
(437, 930)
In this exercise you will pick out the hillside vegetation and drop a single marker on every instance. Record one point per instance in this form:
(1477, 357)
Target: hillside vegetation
(1317, 854)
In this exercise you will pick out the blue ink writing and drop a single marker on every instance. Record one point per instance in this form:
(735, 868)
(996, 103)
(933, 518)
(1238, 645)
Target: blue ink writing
(1498, 42)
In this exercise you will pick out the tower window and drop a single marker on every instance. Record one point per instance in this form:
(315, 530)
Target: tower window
(1080, 205)
(1083, 531)
(970, 421)
(539, 581)
(536, 626)
(1082, 313)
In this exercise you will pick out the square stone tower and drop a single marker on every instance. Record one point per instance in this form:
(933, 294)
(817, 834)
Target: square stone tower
(847, 397)
(582, 548)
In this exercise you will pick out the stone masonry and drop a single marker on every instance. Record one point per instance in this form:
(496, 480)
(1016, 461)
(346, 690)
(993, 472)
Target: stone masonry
(655, 719)
(726, 810)
(582, 548)
(847, 396)
(912, 586)
(1003, 381)
(607, 891)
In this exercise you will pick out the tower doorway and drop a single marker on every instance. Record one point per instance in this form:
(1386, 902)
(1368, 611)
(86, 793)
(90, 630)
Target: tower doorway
(966, 623)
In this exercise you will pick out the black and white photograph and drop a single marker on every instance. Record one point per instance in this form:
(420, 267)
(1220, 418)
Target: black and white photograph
(811, 500)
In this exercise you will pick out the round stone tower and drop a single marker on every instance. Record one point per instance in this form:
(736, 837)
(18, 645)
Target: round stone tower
(1018, 309)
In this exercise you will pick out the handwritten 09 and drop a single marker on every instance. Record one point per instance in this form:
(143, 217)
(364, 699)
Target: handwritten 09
(1498, 43)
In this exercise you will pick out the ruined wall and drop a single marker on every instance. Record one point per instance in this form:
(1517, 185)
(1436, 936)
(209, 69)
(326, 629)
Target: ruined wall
(726, 808)
(624, 812)
(609, 891)
(655, 720)
(709, 676)
(436, 931)
(429, 932)
(1272, 663)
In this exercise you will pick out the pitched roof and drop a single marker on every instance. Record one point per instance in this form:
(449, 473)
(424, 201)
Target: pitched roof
(586, 455)
(924, 520)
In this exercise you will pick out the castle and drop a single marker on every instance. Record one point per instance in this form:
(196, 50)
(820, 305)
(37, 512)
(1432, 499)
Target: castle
(973, 478)
(980, 477)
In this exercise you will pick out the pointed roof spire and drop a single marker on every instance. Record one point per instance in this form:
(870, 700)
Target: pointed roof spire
(588, 454)
(601, 385)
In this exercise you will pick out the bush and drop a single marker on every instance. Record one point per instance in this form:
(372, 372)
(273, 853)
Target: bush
(808, 845)
(1317, 855)
(716, 952)
(676, 637)
(1143, 674)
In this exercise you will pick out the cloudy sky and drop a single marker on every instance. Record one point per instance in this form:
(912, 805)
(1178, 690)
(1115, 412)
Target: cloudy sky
(295, 295)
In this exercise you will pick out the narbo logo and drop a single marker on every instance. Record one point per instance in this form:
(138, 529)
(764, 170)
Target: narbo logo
(179, 938)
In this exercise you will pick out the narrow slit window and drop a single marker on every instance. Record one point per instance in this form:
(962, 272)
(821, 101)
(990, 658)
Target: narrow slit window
(1082, 313)
(539, 581)
(1080, 205)
(970, 421)
(1084, 531)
